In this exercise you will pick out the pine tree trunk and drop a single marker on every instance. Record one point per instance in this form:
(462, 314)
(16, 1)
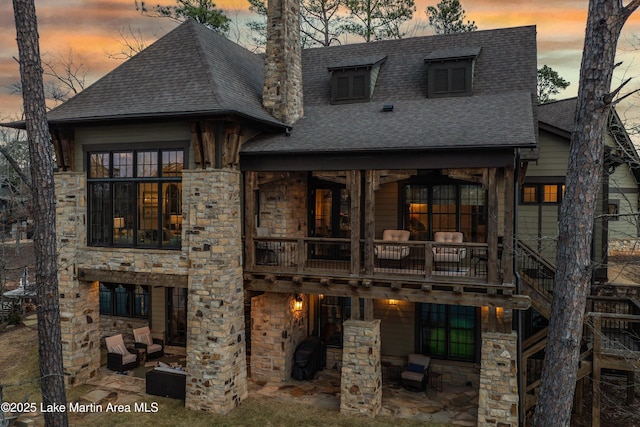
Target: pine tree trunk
(574, 267)
(44, 212)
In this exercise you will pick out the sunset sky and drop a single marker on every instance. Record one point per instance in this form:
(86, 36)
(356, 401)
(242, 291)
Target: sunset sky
(90, 28)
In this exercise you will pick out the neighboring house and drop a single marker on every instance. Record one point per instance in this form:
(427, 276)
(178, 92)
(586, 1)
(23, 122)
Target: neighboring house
(195, 177)
(543, 188)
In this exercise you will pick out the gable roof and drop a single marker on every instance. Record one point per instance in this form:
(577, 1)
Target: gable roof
(558, 117)
(189, 71)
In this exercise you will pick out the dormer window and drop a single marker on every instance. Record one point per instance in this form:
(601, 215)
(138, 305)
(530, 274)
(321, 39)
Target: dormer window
(354, 81)
(450, 72)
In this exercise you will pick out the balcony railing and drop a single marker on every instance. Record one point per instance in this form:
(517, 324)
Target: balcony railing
(466, 262)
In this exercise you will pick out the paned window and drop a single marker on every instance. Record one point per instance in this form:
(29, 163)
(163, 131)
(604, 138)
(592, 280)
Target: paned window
(448, 331)
(124, 300)
(135, 198)
(549, 194)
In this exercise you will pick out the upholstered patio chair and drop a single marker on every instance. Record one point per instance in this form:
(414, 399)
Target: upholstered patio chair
(447, 254)
(119, 357)
(394, 251)
(414, 376)
(153, 346)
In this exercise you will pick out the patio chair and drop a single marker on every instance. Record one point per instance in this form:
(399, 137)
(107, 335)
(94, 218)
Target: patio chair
(154, 347)
(448, 255)
(414, 377)
(393, 252)
(119, 357)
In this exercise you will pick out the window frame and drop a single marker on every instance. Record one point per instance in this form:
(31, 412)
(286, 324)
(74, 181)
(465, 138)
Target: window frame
(350, 74)
(423, 347)
(137, 299)
(449, 66)
(103, 189)
(541, 193)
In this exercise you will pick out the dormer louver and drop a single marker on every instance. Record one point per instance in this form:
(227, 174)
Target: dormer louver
(450, 71)
(354, 81)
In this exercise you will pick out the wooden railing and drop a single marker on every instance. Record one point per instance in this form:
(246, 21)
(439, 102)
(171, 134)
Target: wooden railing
(420, 259)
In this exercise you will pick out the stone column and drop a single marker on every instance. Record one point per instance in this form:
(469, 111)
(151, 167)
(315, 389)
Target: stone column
(498, 395)
(277, 328)
(79, 301)
(216, 356)
(361, 385)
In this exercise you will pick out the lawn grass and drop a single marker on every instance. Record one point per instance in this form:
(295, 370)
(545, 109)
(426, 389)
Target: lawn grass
(19, 372)
(252, 412)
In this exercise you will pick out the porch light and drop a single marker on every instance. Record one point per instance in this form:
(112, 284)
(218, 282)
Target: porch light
(393, 302)
(297, 304)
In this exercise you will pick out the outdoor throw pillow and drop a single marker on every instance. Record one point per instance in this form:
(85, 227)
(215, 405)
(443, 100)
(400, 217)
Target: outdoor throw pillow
(145, 339)
(414, 367)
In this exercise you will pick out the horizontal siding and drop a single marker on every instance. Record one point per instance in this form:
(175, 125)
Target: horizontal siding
(553, 158)
(397, 327)
(386, 208)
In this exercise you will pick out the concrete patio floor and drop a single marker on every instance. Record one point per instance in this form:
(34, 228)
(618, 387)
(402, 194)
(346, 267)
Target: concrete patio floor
(454, 405)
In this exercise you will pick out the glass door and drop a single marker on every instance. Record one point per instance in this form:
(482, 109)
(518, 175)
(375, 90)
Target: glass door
(329, 217)
(177, 316)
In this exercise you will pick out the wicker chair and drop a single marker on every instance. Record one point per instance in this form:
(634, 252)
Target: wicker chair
(394, 251)
(119, 357)
(153, 346)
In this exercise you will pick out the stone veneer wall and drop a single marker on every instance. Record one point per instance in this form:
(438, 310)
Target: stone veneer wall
(624, 247)
(79, 304)
(283, 206)
(113, 325)
(216, 358)
(361, 383)
(498, 394)
(276, 331)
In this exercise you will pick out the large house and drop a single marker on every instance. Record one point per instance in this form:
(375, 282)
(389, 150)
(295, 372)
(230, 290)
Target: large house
(366, 194)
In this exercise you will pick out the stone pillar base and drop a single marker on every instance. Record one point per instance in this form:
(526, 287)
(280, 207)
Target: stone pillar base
(498, 395)
(361, 384)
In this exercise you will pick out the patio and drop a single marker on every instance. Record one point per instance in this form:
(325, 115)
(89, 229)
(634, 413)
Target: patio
(454, 405)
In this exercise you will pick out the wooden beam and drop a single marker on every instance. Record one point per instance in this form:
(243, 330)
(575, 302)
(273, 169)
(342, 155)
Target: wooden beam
(492, 225)
(196, 143)
(209, 144)
(518, 302)
(368, 309)
(355, 308)
(354, 186)
(132, 277)
(476, 175)
(250, 187)
(509, 218)
(369, 220)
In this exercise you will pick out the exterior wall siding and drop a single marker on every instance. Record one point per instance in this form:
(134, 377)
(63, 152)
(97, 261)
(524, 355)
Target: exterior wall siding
(387, 202)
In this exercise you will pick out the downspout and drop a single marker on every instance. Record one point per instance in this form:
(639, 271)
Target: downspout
(516, 202)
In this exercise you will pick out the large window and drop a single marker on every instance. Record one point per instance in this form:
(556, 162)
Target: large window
(135, 198)
(428, 208)
(448, 331)
(124, 300)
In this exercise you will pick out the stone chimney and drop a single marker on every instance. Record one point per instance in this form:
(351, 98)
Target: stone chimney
(282, 92)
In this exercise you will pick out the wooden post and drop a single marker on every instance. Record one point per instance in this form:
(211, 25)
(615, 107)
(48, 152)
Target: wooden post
(595, 404)
(368, 309)
(354, 186)
(631, 387)
(302, 255)
(209, 144)
(250, 186)
(355, 308)
(369, 220)
(492, 224)
(507, 241)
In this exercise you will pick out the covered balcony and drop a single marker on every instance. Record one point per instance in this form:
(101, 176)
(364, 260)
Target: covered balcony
(332, 233)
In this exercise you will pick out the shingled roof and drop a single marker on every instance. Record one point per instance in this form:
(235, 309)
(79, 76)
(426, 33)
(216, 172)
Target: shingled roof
(499, 114)
(189, 71)
(558, 114)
